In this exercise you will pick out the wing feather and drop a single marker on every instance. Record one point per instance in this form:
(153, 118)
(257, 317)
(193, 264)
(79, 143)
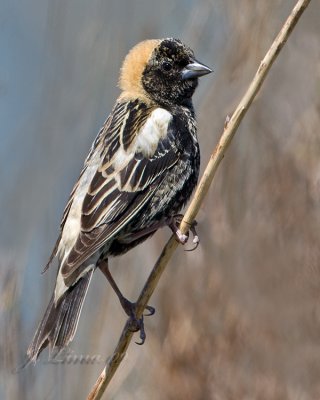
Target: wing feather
(123, 183)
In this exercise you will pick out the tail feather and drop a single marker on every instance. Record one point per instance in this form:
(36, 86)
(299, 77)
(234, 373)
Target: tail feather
(60, 320)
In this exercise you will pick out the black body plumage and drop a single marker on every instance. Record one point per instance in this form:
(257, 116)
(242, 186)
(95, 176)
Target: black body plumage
(140, 172)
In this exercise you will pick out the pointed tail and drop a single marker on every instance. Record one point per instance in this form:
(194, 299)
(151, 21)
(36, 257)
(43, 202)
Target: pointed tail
(60, 320)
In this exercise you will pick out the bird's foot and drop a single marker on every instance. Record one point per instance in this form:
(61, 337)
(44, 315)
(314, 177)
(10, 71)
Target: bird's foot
(182, 238)
(136, 324)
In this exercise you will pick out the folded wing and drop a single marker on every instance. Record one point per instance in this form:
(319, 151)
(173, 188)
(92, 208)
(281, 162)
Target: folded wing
(135, 149)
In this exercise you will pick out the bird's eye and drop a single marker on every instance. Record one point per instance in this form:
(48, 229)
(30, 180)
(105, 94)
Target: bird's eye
(166, 66)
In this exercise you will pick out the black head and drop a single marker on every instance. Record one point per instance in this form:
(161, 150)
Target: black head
(171, 74)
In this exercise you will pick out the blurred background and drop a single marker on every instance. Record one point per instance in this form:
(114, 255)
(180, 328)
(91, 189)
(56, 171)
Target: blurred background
(240, 317)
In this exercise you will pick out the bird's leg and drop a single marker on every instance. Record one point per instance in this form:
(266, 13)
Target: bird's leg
(136, 324)
(174, 224)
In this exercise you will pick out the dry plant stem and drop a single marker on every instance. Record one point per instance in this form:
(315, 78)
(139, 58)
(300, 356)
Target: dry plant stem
(202, 189)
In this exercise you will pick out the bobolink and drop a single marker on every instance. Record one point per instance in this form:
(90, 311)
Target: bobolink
(141, 170)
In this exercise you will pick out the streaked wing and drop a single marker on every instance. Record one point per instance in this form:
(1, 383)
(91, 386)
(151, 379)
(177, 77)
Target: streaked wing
(125, 180)
(107, 138)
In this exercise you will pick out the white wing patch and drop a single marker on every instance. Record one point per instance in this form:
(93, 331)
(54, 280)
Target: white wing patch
(154, 129)
(146, 143)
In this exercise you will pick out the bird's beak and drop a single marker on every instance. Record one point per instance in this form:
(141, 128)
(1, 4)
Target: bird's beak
(195, 70)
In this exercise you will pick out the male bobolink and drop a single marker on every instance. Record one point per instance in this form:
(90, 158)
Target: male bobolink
(141, 170)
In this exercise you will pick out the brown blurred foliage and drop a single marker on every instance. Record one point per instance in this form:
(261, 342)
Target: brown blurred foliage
(240, 317)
